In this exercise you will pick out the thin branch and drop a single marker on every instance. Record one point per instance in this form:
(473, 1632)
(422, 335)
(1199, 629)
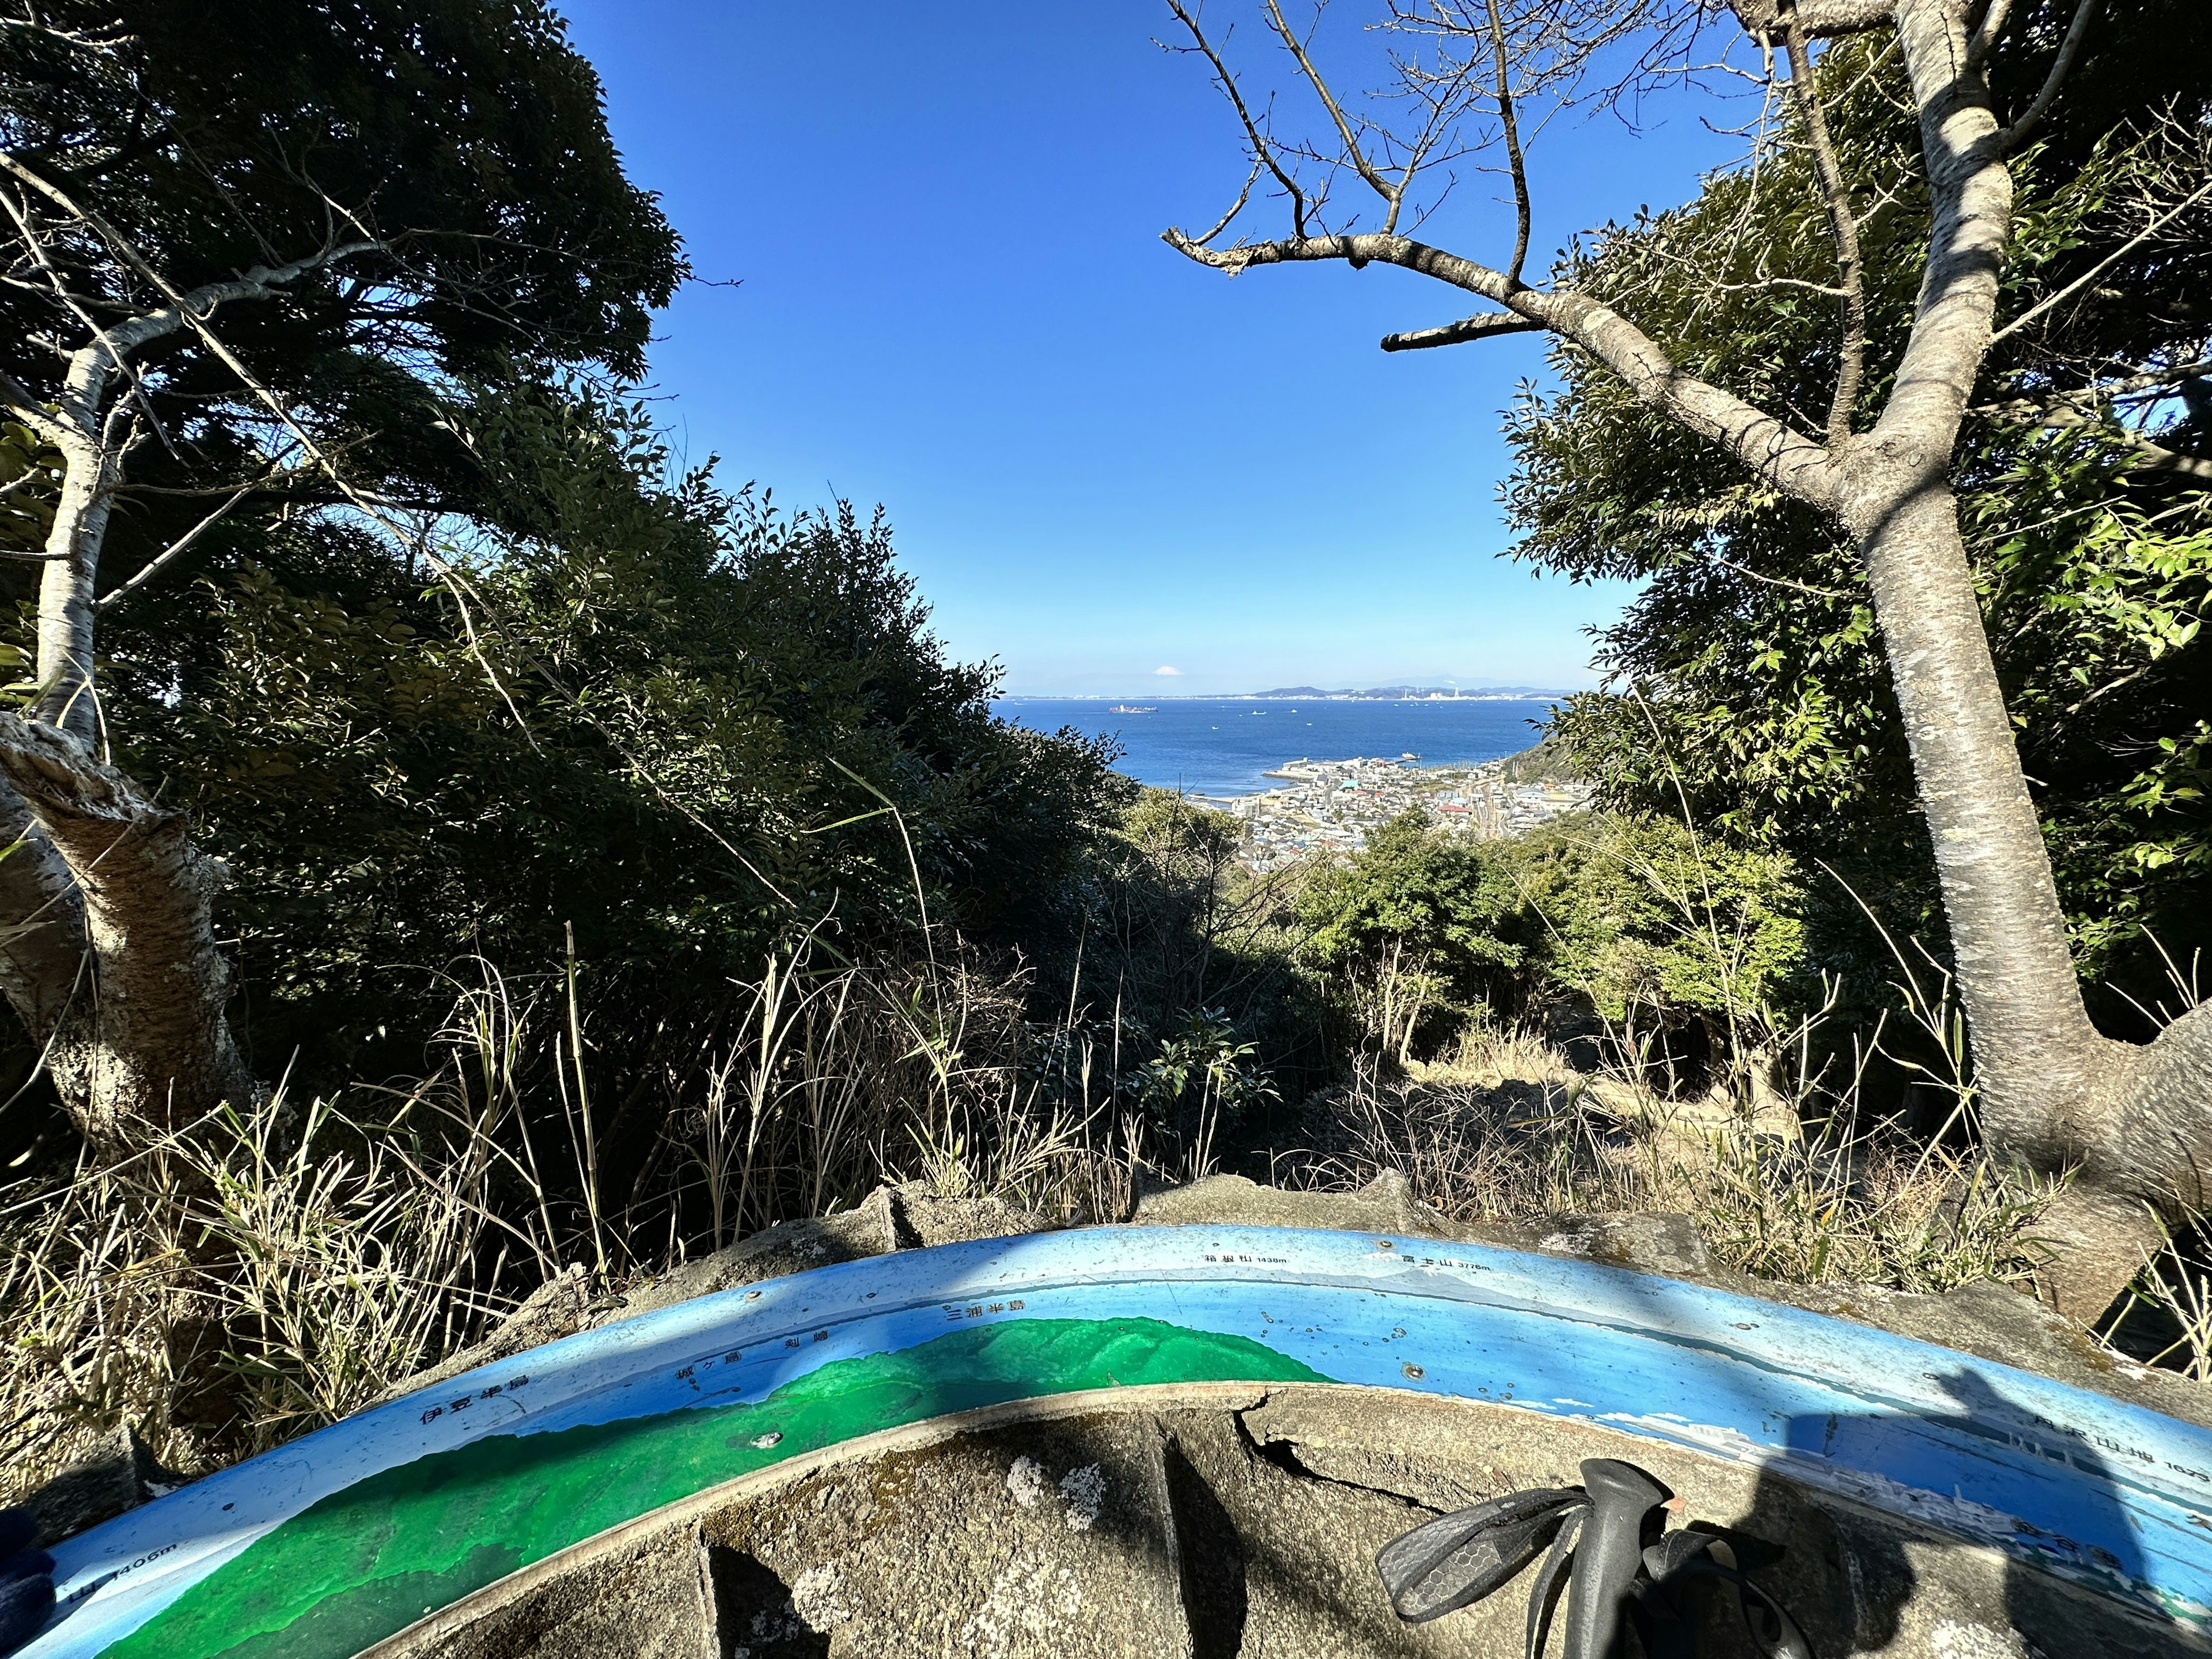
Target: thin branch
(1784, 457)
(2019, 133)
(1985, 37)
(1263, 149)
(2062, 412)
(167, 556)
(31, 411)
(1235, 207)
(1782, 582)
(1479, 327)
(1512, 134)
(1842, 225)
(1365, 168)
(2106, 263)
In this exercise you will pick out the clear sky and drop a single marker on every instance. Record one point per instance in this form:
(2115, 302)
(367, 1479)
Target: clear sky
(1099, 459)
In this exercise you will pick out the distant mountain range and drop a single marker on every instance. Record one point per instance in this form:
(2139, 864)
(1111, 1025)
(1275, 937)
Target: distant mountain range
(1401, 694)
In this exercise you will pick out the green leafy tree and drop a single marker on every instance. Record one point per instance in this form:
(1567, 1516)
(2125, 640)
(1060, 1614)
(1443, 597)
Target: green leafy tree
(1866, 434)
(1751, 670)
(657, 717)
(1693, 952)
(248, 244)
(1413, 929)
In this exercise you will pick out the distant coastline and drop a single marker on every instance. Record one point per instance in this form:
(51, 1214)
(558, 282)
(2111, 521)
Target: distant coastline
(1227, 746)
(1316, 694)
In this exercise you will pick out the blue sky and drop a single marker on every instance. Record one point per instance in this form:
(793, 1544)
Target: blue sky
(1099, 460)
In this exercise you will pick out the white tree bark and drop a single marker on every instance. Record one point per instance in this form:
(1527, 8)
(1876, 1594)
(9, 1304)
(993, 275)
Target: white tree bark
(121, 979)
(107, 948)
(2133, 1125)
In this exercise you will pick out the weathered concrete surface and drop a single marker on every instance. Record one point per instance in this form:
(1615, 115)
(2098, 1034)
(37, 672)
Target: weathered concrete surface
(117, 1474)
(1052, 1537)
(1249, 1528)
(650, 1597)
(1385, 1205)
(1176, 1522)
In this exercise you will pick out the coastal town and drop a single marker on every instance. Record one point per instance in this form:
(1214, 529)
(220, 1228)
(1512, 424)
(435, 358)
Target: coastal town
(1330, 807)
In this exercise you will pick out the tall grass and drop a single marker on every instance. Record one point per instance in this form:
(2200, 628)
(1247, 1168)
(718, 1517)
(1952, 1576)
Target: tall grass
(257, 1275)
(1778, 1157)
(1510, 1130)
(269, 1269)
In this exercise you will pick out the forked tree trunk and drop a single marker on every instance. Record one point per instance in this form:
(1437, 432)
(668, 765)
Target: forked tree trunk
(2130, 1126)
(107, 949)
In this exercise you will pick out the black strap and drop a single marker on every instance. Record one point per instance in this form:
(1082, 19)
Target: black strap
(1773, 1631)
(1551, 1579)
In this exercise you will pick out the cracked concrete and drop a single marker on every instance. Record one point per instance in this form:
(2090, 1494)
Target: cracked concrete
(1190, 1521)
(1212, 1520)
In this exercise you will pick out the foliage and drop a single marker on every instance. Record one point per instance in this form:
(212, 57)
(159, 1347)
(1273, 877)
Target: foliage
(1656, 927)
(1510, 1131)
(1413, 930)
(1747, 679)
(466, 142)
(1175, 930)
(1656, 924)
(1201, 1080)
(663, 716)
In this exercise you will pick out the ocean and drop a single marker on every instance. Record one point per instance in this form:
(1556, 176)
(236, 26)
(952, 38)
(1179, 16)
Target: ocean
(1214, 746)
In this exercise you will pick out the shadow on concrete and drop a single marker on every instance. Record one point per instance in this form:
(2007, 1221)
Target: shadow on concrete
(1997, 1461)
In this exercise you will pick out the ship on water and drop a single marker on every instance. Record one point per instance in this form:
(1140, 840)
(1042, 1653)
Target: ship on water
(1132, 708)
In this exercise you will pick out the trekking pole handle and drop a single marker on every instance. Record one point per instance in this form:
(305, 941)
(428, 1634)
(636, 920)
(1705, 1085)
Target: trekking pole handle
(1607, 1557)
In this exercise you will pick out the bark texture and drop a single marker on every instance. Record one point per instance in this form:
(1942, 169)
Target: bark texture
(124, 984)
(107, 948)
(2131, 1125)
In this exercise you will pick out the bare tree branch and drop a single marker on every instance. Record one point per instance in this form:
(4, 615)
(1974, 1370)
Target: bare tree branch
(1813, 19)
(1985, 36)
(167, 556)
(1354, 152)
(1786, 458)
(1262, 148)
(2021, 130)
(28, 409)
(1843, 228)
(1235, 208)
(1481, 327)
(2106, 263)
(2064, 410)
(1512, 135)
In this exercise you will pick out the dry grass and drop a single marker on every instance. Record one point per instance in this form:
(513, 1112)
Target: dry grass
(222, 1293)
(266, 1271)
(1511, 1131)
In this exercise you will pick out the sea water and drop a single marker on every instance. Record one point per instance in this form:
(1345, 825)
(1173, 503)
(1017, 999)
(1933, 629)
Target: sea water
(1213, 746)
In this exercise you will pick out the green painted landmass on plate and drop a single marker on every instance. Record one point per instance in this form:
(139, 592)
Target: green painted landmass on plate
(372, 1558)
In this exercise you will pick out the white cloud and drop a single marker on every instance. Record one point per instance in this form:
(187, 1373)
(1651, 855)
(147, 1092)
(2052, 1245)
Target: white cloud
(1167, 670)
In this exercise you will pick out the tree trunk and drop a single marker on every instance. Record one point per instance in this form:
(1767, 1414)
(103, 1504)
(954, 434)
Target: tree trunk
(2131, 1124)
(107, 949)
(111, 963)
(66, 590)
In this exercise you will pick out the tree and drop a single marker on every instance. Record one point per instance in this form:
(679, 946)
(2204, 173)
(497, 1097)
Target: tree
(246, 245)
(2132, 1123)
(1760, 694)
(1412, 927)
